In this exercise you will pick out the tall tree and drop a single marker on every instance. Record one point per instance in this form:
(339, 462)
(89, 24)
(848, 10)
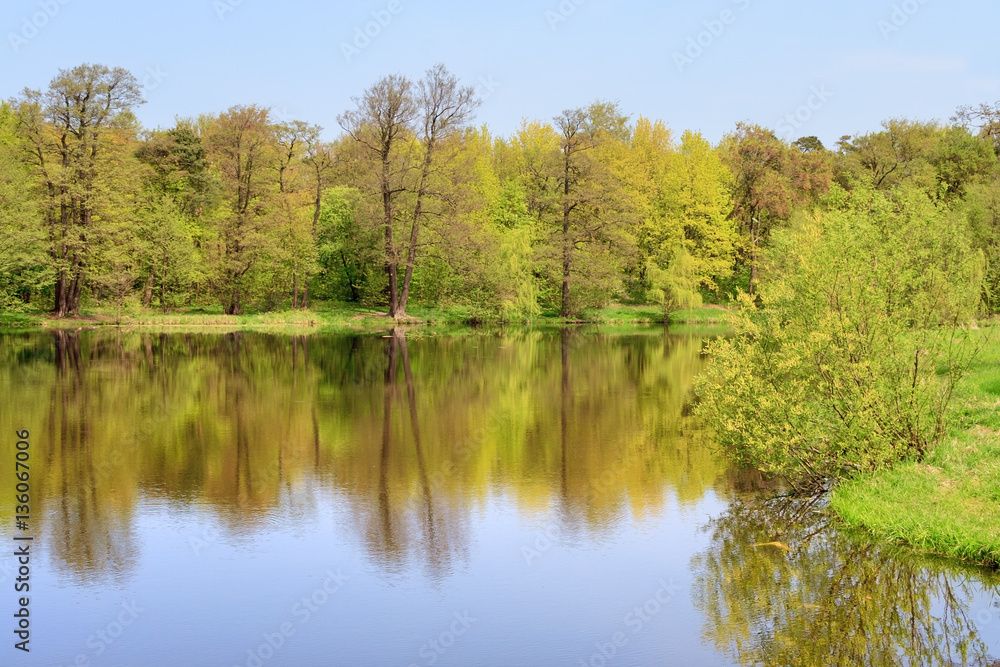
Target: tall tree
(445, 107)
(243, 145)
(381, 126)
(400, 128)
(578, 200)
(762, 188)
(690, 221)
(67, 127)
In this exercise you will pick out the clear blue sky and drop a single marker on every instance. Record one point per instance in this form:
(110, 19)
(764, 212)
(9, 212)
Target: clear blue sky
(531, 58)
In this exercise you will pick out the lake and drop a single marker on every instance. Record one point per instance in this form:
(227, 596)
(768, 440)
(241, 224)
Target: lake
(482, 498)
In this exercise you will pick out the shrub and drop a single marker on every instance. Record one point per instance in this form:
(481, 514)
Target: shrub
(848, 360)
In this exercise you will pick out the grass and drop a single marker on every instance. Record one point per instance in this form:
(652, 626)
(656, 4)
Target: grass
(10, 321)
(347, 316)
(950, 503)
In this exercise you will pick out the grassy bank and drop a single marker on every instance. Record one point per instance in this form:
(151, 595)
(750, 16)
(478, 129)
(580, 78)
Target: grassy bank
(950, 503)
(351, 318)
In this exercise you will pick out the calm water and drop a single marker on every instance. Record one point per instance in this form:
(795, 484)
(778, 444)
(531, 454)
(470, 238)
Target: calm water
(540, 498)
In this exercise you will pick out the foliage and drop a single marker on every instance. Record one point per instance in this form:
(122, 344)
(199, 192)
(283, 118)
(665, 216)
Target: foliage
(412, 204)
(849, 363)
(950, 500)
(676, 287)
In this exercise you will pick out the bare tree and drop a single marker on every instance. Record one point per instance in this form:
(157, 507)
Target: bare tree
(380, 123)
(445, 107)
(384, 124)
(985, 117)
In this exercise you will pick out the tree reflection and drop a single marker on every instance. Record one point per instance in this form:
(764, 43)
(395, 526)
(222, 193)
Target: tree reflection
(777, 587)
(409, 434)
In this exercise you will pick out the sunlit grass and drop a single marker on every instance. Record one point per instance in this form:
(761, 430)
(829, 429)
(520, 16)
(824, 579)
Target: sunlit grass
(351, 316)
(949, 504)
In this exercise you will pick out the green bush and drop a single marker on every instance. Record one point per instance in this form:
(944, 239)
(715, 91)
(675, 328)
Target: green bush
(848, 360)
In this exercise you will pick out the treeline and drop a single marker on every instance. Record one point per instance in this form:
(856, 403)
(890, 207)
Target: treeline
(413, 203)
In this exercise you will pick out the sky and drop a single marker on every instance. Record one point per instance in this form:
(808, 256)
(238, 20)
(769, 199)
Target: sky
(827, 69)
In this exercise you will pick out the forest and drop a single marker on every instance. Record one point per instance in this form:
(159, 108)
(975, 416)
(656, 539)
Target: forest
(414, 203)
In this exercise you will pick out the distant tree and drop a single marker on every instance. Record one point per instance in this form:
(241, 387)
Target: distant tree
(896, 154)
(399, 129)
(381, 127)
(809, 144)
(984, 118)
(578, 200)
(693, 212)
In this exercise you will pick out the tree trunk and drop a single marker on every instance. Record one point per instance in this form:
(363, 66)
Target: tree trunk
(567, 259)
(418, 212)
(59, 309)
(295, 291)
(391, 268)
(147, 291)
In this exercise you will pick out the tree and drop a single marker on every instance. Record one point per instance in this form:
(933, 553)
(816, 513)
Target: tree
(897, 154)
(849, 363)
(578, 200)
(67, 128)
(399, 129)
(693, 213)
(380, 126)
(762, 188)
(809, 144)
(445, 108)
(25, 264)
(243, 146)
(296, 142)
(182, 196)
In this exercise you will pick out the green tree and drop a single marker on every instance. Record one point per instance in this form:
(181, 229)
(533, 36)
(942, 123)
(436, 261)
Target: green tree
(762, 189)
(693, 213)
(25, 263)
(579, 202)
(243, 253)
(898, 153)
(68, 128)
(849, 362)
(398, 129)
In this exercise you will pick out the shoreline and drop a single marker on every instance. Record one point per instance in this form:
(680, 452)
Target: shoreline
(357, 319)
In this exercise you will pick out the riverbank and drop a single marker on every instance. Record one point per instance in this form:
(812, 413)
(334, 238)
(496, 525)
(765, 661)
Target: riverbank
(353, 318)
(950, 503)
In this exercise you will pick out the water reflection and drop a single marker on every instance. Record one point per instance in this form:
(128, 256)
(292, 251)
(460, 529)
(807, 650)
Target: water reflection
(780, 587)
(410, 434)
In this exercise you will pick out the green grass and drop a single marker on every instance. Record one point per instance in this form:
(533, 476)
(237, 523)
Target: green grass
(16, 321)
(348, 316)
(950, 503)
